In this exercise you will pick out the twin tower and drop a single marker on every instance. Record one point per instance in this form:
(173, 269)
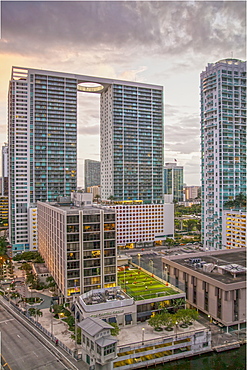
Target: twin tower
(42, 137)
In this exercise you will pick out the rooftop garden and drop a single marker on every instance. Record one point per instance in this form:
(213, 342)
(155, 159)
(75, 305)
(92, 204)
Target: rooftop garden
(140, 285)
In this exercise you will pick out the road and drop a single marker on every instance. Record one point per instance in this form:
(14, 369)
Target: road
(21, 349)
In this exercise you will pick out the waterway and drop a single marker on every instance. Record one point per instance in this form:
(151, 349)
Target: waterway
(230, 360)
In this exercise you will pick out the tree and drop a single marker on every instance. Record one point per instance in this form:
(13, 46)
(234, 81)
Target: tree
(115, 330)
(185, 316)
(3, 246)
(155, 321)
(168, 319)
(35, 312)
(111, 198)
(97, 197)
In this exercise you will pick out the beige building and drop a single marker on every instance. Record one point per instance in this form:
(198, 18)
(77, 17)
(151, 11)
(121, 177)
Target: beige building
(78, 246)
(214, 283)
(234, 229)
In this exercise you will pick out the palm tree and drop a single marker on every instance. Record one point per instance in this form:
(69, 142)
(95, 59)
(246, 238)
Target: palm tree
(35, 312)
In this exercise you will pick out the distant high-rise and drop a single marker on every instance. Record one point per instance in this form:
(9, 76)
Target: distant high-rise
(91, 173)
(173, 182)
(223, 143)
(5, 182)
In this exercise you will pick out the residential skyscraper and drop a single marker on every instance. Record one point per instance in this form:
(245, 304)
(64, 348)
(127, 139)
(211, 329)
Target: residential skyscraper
(42, 139)
(131, 135)
(173, 182)
(91, 173)
(223, 143)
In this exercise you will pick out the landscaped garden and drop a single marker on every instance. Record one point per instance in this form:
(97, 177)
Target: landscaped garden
(140, 285)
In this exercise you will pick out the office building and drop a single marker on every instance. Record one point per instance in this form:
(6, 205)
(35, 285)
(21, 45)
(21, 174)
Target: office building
(91, 173)
(42, 139)
(173, 182)
(234, 229)
(215, 283)
(141, 224)
(223, 143)
(78, 245)
(5, 178)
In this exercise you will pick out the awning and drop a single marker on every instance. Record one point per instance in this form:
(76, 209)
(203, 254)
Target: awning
(112, 319)
(144, 314)
(128, 318)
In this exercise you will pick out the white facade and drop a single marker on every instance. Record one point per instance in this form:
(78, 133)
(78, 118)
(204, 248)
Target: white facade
(141, 223)
(234, 229)
(223, 143)
(79, 199)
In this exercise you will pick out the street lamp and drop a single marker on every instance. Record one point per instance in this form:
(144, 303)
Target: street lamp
(166, 272)
(143, 331)
(139, 259)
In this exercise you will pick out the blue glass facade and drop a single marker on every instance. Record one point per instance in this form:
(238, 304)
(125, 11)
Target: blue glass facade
(223, 143)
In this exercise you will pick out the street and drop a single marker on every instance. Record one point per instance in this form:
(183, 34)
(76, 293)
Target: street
(21, 349)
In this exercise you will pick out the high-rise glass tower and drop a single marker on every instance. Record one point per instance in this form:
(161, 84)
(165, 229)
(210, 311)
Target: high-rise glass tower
(223, 143)
(173, 182)
(131, 134)
(42, 139)
(91, 173)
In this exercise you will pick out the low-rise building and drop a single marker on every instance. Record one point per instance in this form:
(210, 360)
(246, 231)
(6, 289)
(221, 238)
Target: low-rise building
(215, 283)
(41, 271)
(234, 229)
(99, 347)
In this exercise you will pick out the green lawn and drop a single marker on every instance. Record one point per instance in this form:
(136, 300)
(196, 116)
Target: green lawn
(140, 285)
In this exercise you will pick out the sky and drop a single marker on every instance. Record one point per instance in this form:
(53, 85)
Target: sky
(166, 43)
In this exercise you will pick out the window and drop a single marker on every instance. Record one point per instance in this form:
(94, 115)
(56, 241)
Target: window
(109, 349)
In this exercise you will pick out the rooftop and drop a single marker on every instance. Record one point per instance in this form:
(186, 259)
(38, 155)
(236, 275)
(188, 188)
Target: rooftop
(226, 266)
(93, 326)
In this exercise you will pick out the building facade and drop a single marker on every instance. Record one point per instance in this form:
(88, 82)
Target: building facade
(215, 283)
(132, 141)
(4, 211)
(173, 182)
(78, 245)
(139, 223)
(5, 177)
(42, 140)
(91, 173)
(223, 143)
(234, 229)
(192, 192)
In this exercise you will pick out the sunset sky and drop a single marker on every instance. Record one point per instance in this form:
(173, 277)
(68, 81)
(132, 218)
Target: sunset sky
(166, 43)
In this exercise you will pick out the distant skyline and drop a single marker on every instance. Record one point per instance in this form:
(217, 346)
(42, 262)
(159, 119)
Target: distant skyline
(164, 43)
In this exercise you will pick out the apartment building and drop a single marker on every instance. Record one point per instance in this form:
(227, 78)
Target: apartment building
(78, 245)
(234, 229)
(223, 143)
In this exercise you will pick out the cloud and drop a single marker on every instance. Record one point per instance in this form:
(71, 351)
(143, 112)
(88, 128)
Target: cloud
(172, 27)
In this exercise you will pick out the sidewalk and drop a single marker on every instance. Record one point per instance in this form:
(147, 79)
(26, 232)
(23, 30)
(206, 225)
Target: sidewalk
(58, 327)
